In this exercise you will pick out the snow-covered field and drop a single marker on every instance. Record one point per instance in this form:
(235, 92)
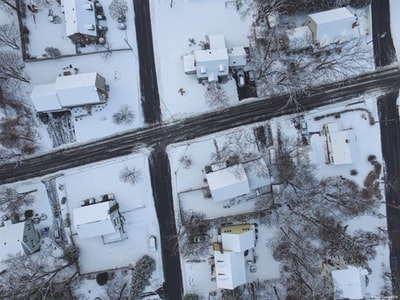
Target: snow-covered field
(354, 114)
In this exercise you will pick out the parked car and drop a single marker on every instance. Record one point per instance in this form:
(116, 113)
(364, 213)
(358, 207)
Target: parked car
(152, 243)
(251, 76)
(240, 78)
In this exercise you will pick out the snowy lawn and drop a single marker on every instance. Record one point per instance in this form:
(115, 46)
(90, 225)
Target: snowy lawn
(190, 19)
(119, 66)
(136, 206)
(359, 114)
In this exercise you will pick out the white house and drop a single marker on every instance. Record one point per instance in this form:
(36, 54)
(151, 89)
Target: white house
(297, 38)
(80, 20)
(230, 269)
(70, 91)
(214, 62)
(211, 63)
(229, 256)
(340, 145)
(99, 219)
(18, 238)
(228, 182)
(331, 26)
(349, 283)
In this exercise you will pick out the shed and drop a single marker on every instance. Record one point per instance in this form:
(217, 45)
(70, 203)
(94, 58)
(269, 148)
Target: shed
(297, 38)
(81, 89)
(237, 57)
(228, 183)
(331, 26)
(80, 20)
(230, 269)
(349, 283)
(45, 99)
(96, 220)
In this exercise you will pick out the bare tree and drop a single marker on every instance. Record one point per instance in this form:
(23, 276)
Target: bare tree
(9, 35)
(130, 175)
(186, 161)
(39, 276)
(118, 10)
(141, 274)
(12, 66)
(11, 200)
(216, 95)
(124, 115)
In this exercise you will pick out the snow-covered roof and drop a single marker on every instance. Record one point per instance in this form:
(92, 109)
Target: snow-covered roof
(331, 26)
(237, 57)
(228, 183)
(331, 16)
(349, 283)
(217, 41)
(298, 38)
(188, 64)
(237, 238)
(230, 269)
(93, 220)
(211, 63)
(44, 98)
(341, 145)
(11, 239)
(76, 90)
(79, 17)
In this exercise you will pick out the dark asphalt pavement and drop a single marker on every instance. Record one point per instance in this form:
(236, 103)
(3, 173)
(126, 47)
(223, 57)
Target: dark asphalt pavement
(162, 191)
(384, 51)
(148, 75)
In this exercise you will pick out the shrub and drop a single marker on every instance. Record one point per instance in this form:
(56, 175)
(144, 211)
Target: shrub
(353, 172)
(191, 297)
(359, 3)
(102, 278)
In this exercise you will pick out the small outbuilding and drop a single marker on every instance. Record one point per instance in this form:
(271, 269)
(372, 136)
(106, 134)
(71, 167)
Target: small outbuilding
(335, 25)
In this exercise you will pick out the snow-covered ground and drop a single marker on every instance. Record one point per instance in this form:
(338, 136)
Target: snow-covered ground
(120, 69)
(358, 114)
(136, 206)
(172, 29)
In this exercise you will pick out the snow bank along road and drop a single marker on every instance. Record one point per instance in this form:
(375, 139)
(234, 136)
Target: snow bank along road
(247, 113)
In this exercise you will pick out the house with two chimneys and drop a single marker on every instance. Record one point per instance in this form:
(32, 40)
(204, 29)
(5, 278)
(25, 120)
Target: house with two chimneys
(229, 255)
(215, 60)
(70, 91)
(18, 238)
